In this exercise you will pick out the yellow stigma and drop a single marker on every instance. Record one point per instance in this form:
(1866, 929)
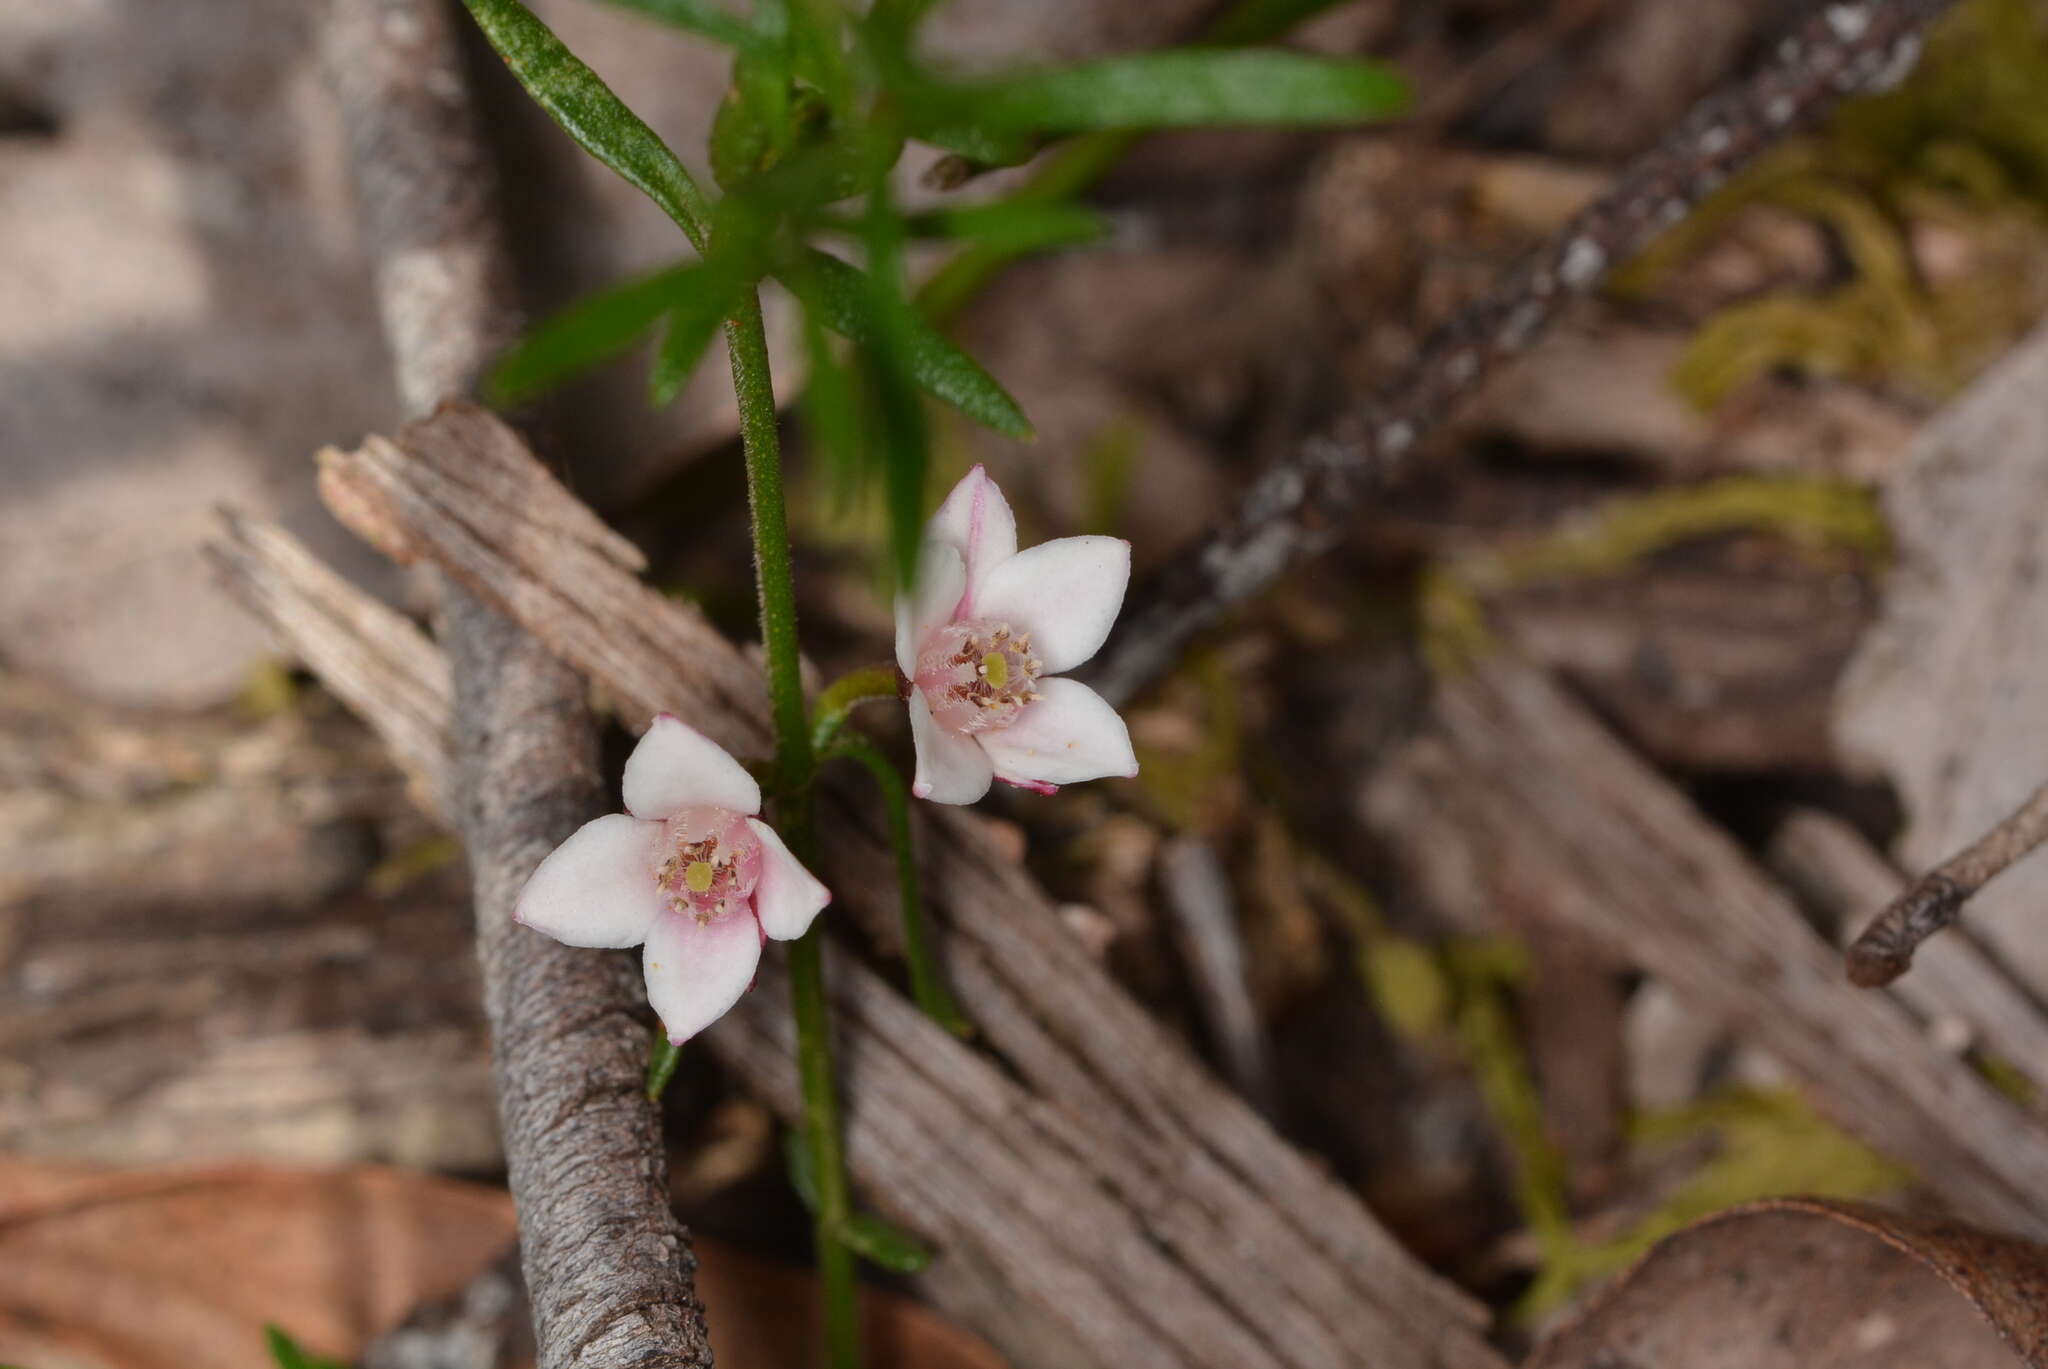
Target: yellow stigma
(995, 668)
(698, 876)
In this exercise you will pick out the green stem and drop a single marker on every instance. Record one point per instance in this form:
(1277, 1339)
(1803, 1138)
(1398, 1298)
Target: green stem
(855, 687)
(821, 1118)
(927, 984)
(795, 766)
(747, 340)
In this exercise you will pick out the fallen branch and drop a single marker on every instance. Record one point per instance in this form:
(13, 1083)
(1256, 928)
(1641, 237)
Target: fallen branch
(1300, 508)
(1885, 949)
(607, 1265)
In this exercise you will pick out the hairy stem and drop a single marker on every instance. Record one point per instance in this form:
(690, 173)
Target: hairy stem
(795, 767)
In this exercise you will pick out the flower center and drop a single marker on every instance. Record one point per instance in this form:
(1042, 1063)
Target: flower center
(711, 862)
(977, 675)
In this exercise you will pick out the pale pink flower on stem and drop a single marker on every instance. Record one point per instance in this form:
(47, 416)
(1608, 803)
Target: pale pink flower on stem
(981, 636)
(687, 869)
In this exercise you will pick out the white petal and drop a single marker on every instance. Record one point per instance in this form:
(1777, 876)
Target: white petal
(597, 888)
(1065, 593)
(941, 579)
(676, 767)
(950, 768)
(976, 520)
(1071, 734)
(788, 896)
(695, 970)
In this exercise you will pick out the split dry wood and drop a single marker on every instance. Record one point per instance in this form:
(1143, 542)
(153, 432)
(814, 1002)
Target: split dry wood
(1144, 1207)
(1944, 694)
(1516, 795)
(1300, 508)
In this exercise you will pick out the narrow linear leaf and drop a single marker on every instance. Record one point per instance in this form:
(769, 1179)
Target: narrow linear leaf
(885, 1243)
(577, 99)
(662, 1058)
(710, 298)
(831, 411)
(904, 439)
(803, 1172)
(700, 17)
(881, 1241)
(842, 297)
(593, 329)
(1178, 89)
(1013, 226)
(286, 1352)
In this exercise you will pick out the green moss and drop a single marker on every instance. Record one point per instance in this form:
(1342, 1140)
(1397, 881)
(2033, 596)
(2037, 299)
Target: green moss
(268, 692)
(1483, 975)
(1822, 516)
(1769, 1144)
(1179, 780)
(391, 875)
(1110, 462)
(1963, 141)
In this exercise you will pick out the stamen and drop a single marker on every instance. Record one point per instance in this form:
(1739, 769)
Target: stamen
(976, 675)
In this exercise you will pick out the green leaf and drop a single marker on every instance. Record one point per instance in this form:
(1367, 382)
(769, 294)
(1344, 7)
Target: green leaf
(905, 441)
(699, 17)
(843, 300)
(662, 1059)
(585, 107)
(887, 1244)
(288, 1355)
(803, 1173)
(986, 148)
(1179, 89)
(691, 326)
(832, 411)
(1017, 226)
(594, 329)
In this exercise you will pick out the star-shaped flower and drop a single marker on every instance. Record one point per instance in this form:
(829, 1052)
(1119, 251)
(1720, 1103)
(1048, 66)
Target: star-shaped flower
(980, 637)
(688, 869)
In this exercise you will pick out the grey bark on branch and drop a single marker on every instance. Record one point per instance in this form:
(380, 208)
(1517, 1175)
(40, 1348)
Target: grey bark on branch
(1884, 950)
(1516, 794)
(1118, 1188)
(1836, 871)
(608, 1267)
(1299, 508)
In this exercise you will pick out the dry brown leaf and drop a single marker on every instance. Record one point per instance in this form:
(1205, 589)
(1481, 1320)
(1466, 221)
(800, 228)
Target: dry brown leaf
(173, 1268)
(1802, 1283)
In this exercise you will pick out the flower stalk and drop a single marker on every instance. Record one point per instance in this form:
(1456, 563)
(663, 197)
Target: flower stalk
(927, 983)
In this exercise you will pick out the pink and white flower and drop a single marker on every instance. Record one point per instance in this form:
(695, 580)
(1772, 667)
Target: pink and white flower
(981, 636)
(687, 869)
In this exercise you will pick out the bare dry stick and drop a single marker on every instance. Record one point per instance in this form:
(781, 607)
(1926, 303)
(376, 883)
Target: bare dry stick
(1957, 982)
(1885, 949)
(608, 1266)
(1299, 508)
